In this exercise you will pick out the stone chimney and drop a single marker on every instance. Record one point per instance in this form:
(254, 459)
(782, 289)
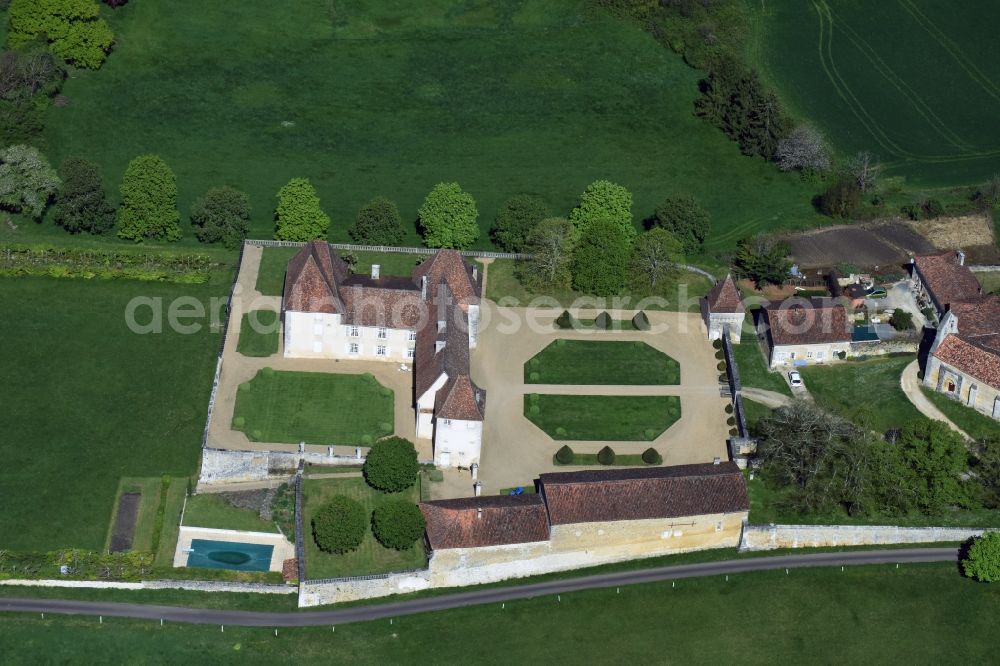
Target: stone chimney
(479, 491)
(475, 273)
(717, 461)
(376, 269)
(961, 257)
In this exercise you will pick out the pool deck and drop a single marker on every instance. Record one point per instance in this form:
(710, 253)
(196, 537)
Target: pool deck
(283, 549)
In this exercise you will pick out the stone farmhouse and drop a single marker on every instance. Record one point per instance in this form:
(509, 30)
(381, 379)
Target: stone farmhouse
(590, 517)
(964, 360)
(800, 332)
(723, 307)
(429, 319)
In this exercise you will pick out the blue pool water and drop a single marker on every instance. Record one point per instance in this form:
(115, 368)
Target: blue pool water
(210, 554)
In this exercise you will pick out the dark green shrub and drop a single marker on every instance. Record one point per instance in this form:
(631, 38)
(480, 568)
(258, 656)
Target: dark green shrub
(720, 355)
(385, 392)
(731, 421)
(533, 398)
(723, 378)
(729, 408)
(239, 422)
(603, 321)
(733, 432)
(652, 457)
(534, 376)
(606, 456)
(933, 208)
(565, 320)
(397, 524)
(267, 372)
(721, 365)
(640, 321)
(716, 344)
(339, 525)
(391, 465)
(649, 433)
(534, 409)
(901, 320)
(256, 435)
(385, 427)
(561, 431)
(841, 355)
(564, 455)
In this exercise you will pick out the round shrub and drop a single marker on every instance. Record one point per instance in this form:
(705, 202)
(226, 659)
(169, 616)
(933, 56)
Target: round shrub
(534, 410)
(257, 435)
(729, 408)
(561, 431)
(731, 421)
(651, 457)
(561, 342)
(719, 355)
(391, 465)
(339, 525)
(385, 392)
(723, 378)
(534, 376)
(841, 355)
(534, 397)
(717, 344)
(606, 456)
(649, 433)
(367, 440)
(267, 372)
(721, 365)
(385, 427)
(397, 524)
(535, 362)
(733, 432)
(369, 377)
(982, 560)
(564, 455)
(239, 422)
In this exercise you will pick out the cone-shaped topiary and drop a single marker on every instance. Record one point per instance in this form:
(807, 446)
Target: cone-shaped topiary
(564, 455)
(606, 456)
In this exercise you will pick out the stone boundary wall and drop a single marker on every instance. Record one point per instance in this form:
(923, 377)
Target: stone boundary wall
(478, 254)
(197, 585)
(225, 466)
(984, 268)
(883, 347)
(771, 537)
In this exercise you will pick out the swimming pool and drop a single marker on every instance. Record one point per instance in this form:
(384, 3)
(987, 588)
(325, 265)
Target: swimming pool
(233, 555)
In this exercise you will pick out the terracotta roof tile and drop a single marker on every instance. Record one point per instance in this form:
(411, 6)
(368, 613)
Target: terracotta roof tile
(373, 306)
(817, 321)
(978, 357)
(977, 316)
(725, 297)
(644, 493)
(448, 266)
(460, 399)
(476, 522)
(312, 278)
(945, 279)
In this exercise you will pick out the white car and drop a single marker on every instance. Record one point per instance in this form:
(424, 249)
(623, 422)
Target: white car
(795, 379)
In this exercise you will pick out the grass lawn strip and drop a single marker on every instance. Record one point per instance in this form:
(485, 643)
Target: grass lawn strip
(370, 557)
(258, 333)
(274, 261)
(95, 402)
(211, 510)
(863, 391)
(315, 407)
(975, 424)
(601, 362)
(753, 368)
(621, 460)
(602, 417)
(812, 611)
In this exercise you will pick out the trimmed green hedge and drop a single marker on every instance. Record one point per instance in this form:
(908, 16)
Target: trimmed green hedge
(103, 264)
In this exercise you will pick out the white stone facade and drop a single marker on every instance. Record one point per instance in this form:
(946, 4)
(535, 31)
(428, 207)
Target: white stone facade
(323, 335)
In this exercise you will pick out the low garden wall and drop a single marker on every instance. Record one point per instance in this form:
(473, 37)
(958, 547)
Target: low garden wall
(225, 466)
(771, 537)
(198, 585)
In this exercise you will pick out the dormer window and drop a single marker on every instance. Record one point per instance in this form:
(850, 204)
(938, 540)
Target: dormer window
(441, 325)
(438, 345)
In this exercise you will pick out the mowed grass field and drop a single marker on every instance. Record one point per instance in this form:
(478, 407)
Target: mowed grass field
(917, 82)
(369, 97)
(601, 362)
(602, 417)
(88, 402)
(878, 614)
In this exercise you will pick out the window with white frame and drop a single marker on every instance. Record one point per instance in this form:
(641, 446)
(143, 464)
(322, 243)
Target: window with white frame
(809, 354)
(410, 353)
(352, 348)
(382, 333)
(820, 355)
(446, 422)
(353, 331)
(380, 350)
(413, 336)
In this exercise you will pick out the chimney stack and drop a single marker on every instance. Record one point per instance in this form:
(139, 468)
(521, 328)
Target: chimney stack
(478, 485)
(376, 270)
(961, 257)
(479, 513)
(717, 461)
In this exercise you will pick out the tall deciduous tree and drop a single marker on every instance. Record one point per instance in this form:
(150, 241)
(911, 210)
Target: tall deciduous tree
(804, 149)
(601, 258)
(762, 259)
(684, 217)
(865, 169)
(982, 561)
(148, 201)
(339, 526)
(655, 255)
(391, 465)
(27, 180)
(604, 200)
(82, 204)
(73, 29)
(378, 223)
(936, 457)
(515, 221)
(448, 217)
(222, 215)
(550, 245)
(298, 216)
(398, 524)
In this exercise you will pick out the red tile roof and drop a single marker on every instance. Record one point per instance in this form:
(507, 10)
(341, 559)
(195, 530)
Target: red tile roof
(312, 278)
(799, 322)
(460, 399)
(373, 306)
(978, 357)
(476, 522)
(945, 279)
(725, 297)
(977, 316)
(644, 493)
(447, 266)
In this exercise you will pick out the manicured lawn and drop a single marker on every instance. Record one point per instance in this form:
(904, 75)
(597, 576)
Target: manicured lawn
(754, 412)
(914, 81)
(990, 281)
(259, 333)
(601, 362)
(274, 261)
(368, 98)
(918, 613)
(371, 557)
(753, 368)
(602, 417)
(863, 391)
(91, 402)
(315, 407)
(503, 286)
(976, 424)
(211, 510)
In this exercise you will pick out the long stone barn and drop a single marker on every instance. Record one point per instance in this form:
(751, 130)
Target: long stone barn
(586, 518)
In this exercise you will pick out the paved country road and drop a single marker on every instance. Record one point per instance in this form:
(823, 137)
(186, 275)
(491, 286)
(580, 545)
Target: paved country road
(476, 597)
